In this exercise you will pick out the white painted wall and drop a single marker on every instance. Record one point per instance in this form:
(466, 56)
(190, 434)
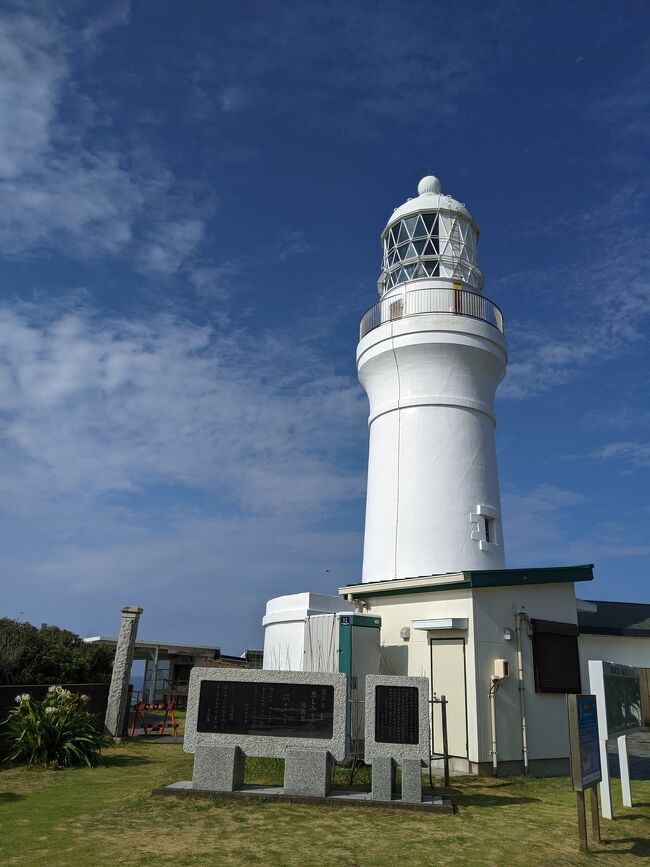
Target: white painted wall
(546, 714)
(412, 657)
(489, 611)
(285, 631)
(431, 381)
(612, 648)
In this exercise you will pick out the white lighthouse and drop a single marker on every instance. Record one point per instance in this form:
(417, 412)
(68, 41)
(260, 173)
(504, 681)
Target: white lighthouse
(430, 357)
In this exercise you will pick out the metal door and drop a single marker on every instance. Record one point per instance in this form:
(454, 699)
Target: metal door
(449, 678)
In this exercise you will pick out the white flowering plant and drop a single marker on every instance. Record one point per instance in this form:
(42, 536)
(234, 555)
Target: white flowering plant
(58, 731)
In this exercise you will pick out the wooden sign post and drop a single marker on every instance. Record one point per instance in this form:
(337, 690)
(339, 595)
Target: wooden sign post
(585, 761)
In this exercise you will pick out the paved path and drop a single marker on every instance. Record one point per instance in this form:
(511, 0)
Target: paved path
(638, 751)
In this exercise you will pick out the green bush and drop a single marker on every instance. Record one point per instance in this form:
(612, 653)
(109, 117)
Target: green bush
(58, 731)
(47, 654)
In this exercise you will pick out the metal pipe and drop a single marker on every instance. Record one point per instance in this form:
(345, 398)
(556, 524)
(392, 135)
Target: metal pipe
(431, 697)
(494, 681)
(522, 699)
(445, 744)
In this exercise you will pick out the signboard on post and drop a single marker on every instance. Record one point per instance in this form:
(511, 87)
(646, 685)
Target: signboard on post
(585, 760)
(583, 741)
(617, 689)
(622, 685)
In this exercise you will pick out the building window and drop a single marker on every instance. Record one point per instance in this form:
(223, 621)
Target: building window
(555, 656)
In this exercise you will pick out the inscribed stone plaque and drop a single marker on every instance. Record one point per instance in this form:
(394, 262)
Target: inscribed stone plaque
(281, 710)
(266, 713)
(396, 714)
(397, 718)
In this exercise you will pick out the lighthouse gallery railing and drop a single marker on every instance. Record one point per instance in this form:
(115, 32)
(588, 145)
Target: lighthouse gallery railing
(433, 300)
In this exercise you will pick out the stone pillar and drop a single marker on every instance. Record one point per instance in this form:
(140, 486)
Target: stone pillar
(218, 769)
(307, 772)
(124, 651)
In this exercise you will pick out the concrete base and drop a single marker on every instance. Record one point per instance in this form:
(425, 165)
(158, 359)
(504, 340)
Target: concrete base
(536, 767)
(411, 780)
(218, 769)
(307, 772)
(335, 798)
(383, 778)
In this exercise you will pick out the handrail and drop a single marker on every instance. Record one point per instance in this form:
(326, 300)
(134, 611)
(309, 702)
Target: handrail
(431, 300)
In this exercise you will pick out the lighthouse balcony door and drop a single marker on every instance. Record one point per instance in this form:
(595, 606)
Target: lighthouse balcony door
(448, 677)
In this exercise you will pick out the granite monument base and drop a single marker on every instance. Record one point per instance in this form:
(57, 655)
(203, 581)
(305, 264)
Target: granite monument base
(411, 780)
(307, 772)
(220, 769)
(383, 779)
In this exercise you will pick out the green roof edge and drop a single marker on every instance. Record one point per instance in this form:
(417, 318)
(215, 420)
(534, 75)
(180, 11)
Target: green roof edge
(487, 578)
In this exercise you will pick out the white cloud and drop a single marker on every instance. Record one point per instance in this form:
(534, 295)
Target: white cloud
(601, 311)
(637, 453)
(58, 186)
(233, 99)
(116, 406)
(142, 458)
(170, 244)
(32, 72)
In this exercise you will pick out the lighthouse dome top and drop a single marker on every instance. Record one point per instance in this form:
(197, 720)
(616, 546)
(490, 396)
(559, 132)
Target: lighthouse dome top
(430, 184)
(430, 198)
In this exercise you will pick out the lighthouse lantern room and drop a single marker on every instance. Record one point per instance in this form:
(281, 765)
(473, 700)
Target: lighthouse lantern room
(430, 357)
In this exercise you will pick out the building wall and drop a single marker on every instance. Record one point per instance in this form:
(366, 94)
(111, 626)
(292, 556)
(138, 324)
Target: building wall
(612, 648)
(489, 611)
(413, 657)
(284, 646)
(546, 714)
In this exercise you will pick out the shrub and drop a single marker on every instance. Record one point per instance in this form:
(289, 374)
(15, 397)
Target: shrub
(58, 731)
(49, 655)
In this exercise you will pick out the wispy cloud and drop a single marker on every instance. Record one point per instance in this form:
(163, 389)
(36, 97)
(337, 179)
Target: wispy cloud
(600, 312)
(119, 405)
(540, 530)
(386, 67)
(636, 453)
(145, 455)
(233, 99)
(60, 185)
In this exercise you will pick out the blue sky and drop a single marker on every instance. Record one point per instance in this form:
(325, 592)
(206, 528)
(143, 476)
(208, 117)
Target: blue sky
(192, 195)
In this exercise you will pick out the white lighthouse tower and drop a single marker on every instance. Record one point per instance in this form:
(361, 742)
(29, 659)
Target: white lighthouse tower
(430, 357)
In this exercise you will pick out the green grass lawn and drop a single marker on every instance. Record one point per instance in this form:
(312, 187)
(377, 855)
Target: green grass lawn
(107, 815)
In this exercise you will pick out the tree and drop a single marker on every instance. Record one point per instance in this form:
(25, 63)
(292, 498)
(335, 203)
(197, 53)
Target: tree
(29, 655)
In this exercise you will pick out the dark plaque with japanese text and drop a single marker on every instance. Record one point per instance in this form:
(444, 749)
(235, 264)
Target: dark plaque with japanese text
(397, 719)
(279, 710)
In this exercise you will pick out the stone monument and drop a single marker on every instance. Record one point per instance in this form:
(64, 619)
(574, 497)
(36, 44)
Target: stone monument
(297, 716)
(119, 689)
(397, 733)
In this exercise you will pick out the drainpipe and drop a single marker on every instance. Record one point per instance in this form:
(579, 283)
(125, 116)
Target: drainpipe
(494, 688)
(520, 678)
